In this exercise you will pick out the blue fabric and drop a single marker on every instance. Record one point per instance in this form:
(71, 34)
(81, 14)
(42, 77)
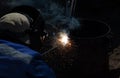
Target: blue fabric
(13, 67)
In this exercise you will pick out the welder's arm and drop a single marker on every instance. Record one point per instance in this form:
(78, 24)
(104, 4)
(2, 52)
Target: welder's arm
(42, 70)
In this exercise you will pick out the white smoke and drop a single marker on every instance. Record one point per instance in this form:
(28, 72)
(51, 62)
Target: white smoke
(52, 12)
(56, 16)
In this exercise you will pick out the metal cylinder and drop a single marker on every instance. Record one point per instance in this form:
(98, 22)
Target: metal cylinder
(91, 39)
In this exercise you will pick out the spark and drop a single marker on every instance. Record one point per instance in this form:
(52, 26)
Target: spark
(64, 39)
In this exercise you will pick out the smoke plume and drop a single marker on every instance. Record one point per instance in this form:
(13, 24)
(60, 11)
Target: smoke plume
(53, 13)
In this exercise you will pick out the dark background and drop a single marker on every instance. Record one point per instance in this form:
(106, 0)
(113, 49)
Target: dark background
(105, 10)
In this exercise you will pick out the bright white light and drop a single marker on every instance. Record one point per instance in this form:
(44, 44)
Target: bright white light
(64, 38)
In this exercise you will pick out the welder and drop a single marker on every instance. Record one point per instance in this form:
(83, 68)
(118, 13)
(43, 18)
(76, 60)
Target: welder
(21, 31)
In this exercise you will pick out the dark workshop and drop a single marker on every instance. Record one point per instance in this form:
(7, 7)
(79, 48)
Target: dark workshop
(59, 39)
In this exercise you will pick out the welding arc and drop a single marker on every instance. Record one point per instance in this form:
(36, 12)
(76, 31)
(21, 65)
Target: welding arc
(49, 50)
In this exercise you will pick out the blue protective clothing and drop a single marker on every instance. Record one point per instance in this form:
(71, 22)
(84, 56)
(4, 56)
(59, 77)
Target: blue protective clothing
(19, 61)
